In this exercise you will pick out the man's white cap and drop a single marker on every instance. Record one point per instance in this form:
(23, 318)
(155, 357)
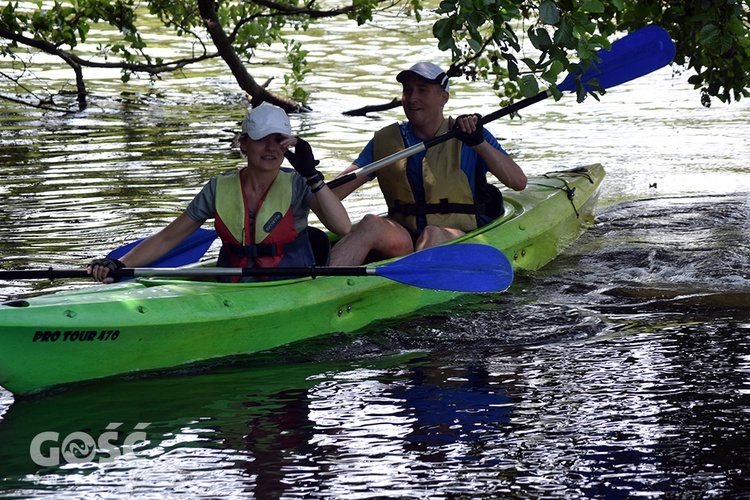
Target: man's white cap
(265, 120)
(430, 72)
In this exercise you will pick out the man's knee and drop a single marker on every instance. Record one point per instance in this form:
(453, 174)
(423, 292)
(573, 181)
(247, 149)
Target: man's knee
(370, 223)
(389, 239)
(435, 235)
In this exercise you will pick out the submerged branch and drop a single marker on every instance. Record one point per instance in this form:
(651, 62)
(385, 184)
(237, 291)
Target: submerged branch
(372, 109)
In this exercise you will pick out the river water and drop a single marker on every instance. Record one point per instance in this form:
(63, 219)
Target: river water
(621, 369)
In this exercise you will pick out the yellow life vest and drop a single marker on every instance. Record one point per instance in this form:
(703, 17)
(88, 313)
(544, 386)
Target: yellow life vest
(235, 216)
(448, 198)
(271, 238)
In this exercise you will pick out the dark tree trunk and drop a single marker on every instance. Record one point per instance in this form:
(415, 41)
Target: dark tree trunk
(258, 93)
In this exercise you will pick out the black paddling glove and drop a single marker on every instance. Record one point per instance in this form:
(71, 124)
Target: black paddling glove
(474, 138)
(111, 264)
(303, 160)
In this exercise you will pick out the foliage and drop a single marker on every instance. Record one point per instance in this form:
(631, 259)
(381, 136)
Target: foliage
(712, 39)
(296, 57)
(60, 27)
(518, 45)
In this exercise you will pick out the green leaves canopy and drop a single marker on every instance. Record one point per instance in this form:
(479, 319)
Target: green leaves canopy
(517, 45)
(712, 39)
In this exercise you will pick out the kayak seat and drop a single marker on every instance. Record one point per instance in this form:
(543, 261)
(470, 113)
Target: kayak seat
(492, 198)
(321, 245)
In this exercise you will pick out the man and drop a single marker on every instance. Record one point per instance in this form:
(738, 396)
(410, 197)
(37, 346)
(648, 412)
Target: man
(434, 196)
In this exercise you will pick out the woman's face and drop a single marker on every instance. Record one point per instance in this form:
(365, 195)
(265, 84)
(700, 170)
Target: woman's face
(266, 153)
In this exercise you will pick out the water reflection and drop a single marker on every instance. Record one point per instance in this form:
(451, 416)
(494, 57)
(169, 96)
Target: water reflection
(267, 432)
(650, 409)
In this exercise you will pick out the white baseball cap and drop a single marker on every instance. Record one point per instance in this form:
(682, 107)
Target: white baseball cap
(430, 72)
(265, 120)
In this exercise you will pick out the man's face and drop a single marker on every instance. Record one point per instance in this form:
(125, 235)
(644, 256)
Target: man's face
(423, 102)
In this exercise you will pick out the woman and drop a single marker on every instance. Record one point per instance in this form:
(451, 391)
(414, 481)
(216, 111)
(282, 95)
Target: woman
(260, 212)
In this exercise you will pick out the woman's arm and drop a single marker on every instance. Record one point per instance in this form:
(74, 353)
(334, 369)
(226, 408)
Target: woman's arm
(162, 242)
(348, 188)
(152, 247)
(331, 212)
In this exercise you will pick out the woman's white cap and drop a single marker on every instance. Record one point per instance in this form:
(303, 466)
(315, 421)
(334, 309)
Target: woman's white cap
(265, 120)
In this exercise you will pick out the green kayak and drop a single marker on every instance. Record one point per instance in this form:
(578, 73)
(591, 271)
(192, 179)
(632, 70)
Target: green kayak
(159, 323)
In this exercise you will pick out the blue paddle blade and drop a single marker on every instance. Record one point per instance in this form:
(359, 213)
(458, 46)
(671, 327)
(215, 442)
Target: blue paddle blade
(187, 252)
(467, 267)
(634, 55)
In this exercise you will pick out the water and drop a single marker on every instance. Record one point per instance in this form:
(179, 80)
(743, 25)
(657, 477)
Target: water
(620, 370)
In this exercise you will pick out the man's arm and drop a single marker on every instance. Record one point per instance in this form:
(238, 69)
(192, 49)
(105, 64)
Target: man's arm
(502, 166)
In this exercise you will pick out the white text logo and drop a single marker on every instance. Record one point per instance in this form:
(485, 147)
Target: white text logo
(49, 449)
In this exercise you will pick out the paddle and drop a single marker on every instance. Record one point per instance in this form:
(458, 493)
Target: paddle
(633, 56)
(188, 251)
(466, 267)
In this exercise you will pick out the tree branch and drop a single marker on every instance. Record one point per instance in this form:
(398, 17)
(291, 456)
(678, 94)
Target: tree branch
(40, 105)
(306, 11)
(52, 49)
(227, 52)
(372, 109)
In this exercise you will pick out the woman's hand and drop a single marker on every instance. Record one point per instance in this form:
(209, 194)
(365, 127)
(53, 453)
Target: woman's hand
(99, 269)
(302, 159)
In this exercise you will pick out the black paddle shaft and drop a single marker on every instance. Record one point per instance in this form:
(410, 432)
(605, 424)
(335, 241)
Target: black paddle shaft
(126, 272)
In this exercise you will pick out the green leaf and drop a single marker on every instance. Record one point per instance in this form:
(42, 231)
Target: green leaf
(564, 33)
(512, 69)
(442, 29)
(696, 80)
(548, 12)
(539, 38)
(530, 63)
(579, 32)
(583, 49)
(476, 20)
(529, 86)
(553, 72)
(580, 92)
(592, 6)
(708, 34)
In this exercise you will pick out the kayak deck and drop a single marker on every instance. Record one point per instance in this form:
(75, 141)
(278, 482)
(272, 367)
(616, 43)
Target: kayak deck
(154, 324)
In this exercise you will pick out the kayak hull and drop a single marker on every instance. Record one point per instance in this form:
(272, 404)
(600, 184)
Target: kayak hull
(156, 324)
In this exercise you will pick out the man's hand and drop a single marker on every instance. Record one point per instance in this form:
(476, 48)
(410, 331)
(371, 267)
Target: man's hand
(471, 129)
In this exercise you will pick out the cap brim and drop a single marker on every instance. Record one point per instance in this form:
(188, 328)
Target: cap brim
(402, 76)
(407, 72)
(260, 134)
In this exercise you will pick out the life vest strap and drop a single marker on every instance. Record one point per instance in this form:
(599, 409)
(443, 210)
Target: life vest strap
(443, 207)
(260, 250)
